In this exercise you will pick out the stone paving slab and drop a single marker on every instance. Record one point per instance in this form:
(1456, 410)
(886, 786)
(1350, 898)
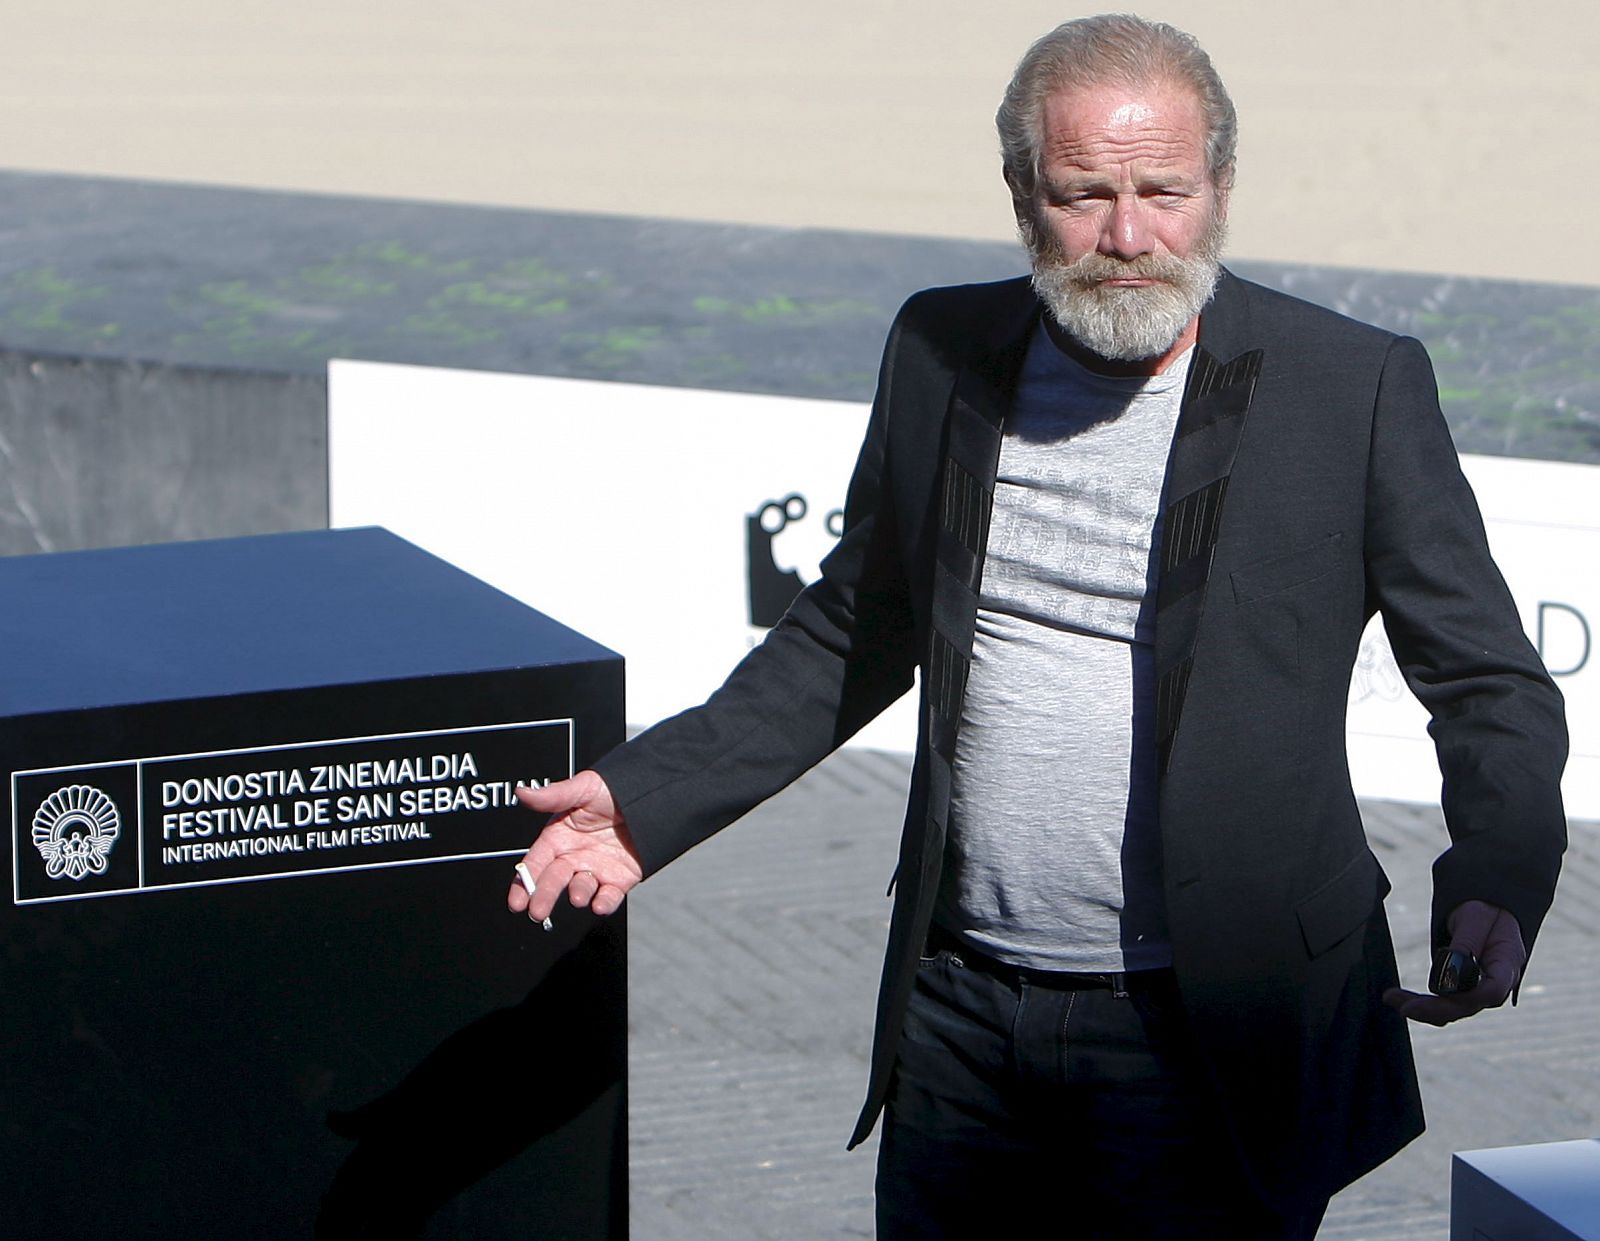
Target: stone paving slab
(754, 966)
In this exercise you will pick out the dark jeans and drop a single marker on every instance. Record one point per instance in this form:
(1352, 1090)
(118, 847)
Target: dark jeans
(1012, 1093)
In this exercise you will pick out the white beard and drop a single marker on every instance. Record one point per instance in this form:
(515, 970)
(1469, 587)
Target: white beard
(1121, 323)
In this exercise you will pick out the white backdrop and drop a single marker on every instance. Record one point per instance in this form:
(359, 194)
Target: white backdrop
(617, 509)
(621, 510)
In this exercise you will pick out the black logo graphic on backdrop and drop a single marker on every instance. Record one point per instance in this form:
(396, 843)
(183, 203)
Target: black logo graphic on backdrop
(74, 830)
(1562, 657)
(772, 589)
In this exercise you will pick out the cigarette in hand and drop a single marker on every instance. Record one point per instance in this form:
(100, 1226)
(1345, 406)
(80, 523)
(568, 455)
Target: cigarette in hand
(524, 874)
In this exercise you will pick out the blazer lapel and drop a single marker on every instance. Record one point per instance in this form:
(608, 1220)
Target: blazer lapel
(1211, 421)
(1217, 396)
(981, 395)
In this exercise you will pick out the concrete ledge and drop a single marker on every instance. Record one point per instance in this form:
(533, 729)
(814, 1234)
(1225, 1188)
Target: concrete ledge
(166, 344)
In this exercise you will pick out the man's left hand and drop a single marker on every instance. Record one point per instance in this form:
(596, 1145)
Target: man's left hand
(1492, 935)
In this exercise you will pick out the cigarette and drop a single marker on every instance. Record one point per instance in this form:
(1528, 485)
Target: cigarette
(524, 874)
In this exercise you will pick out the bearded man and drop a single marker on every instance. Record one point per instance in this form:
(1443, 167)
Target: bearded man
(1129, 520)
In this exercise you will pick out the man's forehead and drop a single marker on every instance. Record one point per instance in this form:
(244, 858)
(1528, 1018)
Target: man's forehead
(1132, 113)
(1160, 120)
(1119, 104)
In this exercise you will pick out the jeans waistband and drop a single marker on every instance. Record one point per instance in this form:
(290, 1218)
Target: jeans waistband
(1117, 982)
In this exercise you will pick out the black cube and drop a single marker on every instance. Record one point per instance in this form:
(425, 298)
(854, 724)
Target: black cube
(258, 978)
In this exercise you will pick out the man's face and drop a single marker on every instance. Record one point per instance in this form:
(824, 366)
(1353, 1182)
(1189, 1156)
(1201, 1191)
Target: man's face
(1128, 224)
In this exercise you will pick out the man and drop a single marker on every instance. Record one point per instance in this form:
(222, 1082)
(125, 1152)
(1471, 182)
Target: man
(1130, 523)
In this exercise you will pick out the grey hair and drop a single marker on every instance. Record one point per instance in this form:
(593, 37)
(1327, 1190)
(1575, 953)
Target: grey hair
(1113, 47)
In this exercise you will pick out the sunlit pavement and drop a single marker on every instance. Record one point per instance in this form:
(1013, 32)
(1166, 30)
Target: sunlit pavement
(754, 964)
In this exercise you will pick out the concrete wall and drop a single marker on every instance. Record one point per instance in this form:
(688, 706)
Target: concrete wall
(100, 453)
(166, 346)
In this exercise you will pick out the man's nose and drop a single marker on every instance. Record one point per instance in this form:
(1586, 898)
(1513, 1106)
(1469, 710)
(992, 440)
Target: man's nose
(1126, 232)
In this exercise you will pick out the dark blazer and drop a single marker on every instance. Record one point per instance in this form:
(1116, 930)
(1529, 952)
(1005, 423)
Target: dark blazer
(1311, 482)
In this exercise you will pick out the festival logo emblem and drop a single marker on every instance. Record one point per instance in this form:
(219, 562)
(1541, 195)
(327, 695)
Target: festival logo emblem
(773, 587)
(74, 831)
(1376, 675)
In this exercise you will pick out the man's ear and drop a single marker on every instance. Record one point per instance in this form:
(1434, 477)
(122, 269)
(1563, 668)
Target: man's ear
(1022, 207)
(1224, 189)
(1023, 183)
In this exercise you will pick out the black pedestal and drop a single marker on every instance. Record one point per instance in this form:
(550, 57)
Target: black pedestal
(257, 975)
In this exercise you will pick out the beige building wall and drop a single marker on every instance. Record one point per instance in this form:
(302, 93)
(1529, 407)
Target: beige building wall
(1455, 136)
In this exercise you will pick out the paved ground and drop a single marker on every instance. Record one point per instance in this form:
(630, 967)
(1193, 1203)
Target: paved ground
(754, 963)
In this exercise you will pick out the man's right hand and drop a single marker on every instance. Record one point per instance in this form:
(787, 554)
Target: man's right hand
(584, 849)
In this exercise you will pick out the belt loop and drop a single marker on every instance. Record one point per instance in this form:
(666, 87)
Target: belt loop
(1119, 986)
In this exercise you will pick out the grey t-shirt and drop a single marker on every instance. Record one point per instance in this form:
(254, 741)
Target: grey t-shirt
(1053, 859)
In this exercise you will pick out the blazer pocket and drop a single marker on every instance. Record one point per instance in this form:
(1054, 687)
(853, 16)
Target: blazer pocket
(1280, 573)
(1342, 904)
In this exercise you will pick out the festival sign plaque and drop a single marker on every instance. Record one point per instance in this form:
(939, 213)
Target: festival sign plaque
(278, 811)
(262, 819)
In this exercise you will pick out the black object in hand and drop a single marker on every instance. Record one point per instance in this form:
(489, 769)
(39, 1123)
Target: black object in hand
(1454, 971)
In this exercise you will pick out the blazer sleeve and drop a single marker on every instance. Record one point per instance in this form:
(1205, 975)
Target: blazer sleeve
(841, 654)
(1497, 719)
